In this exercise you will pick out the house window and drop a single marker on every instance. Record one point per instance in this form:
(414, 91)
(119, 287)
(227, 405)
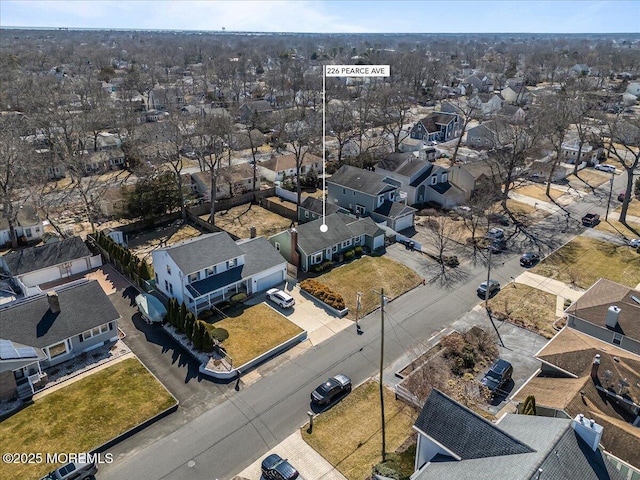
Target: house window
(277, 245)
(209, 271)
(617, 338)
(353, 193)
(95, 331)
(171, 288)
(434, 180)
(166, 285)
(168, 270)
(335, 248)
(231, 263)
(27, 232)
(316, 258)
(356, 240)
(306, 214)
(193, 277)
(346, 243)
(57, 349)
(344, 191)
(444, 177)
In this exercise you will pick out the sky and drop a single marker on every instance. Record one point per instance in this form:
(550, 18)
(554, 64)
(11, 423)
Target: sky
(331, 16)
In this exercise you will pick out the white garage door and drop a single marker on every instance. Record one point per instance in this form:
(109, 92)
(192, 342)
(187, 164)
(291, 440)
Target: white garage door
(404, 222)
(269, 281)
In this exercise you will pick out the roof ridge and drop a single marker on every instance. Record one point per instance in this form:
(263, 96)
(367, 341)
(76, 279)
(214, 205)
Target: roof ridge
(60, 288)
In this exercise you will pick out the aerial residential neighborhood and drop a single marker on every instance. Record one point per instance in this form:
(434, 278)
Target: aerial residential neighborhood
(219, 260)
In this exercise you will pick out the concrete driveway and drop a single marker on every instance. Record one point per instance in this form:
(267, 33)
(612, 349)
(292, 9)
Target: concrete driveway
(319, 323)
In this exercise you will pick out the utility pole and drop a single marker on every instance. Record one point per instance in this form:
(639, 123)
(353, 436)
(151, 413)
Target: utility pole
(606, 217)
(488, 289)
(382, 303)
(358, 305)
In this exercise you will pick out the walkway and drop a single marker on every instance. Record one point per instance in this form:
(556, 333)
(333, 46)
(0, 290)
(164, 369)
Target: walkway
(555, 287)
(310, 464)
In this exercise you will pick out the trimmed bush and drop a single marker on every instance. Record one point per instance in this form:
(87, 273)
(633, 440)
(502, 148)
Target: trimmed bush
(323, 293)
(349, 254)
(358, 250)
(238, 297)
(220, 334)
(205, 314)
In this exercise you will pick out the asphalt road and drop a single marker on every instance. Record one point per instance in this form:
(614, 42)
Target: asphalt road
(236, 432)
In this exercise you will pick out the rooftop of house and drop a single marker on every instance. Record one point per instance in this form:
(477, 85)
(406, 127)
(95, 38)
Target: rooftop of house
(198, 253)
(27, 217)
(340, 228)
(360, 180)
(259, 255)
(405, 164)
(83, 305)
(574, 391)
(234, 173)
(518, 447)
(433, 121)
(592, 307)
(315, 205)
(394, 209)
(31, 259)
(286, 162)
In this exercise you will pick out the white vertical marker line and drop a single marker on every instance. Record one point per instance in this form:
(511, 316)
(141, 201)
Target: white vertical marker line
(323, 227)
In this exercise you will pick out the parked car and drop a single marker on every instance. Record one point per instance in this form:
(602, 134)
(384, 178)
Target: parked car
(605, 168)
(274, 467)
(621, 196)
(495, 233)
(529, 259)
(635, 243)
(73, 471)
(494, 286)
(498, 375)
(283, 299)
(499, 219)
(498, 246)
(590, 219)
(331, 389)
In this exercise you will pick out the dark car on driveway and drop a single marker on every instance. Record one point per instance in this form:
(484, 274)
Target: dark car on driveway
(529, 259)
(494, 286)
(498, 375)
(331, 389)
(274, 467)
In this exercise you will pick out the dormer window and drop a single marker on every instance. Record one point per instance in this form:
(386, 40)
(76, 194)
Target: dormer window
(444, 177)
(193, 277)
(231, 263)
(434, 180)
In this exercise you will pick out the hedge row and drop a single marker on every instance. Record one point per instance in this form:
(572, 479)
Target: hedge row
(324, 293)
(124, 258)
(200, 333)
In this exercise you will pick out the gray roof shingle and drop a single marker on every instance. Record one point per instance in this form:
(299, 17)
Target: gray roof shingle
(340, 228)
(83, 305)
(44, 256)
(360, 180)
(463, 431)
(202, 252)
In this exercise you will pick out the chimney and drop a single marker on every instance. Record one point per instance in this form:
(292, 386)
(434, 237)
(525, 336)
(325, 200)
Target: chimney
(54, 301)
(613, 312)
(252, 231)
(595, 366)
(588, 430)
(295, 256)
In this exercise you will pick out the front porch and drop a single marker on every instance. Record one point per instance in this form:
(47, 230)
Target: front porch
(200, 295)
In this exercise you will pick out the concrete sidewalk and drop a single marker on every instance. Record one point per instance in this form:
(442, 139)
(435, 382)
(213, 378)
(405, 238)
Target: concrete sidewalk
(555, 287)
(534, 202)
(310, 464)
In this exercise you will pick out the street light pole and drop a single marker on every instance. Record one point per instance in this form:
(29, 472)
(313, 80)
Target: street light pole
(487, 290)
(606, 217)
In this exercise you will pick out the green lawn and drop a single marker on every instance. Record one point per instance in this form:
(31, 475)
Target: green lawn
(526, 307)
(82, 416)
(584, 260)
(254, 331)
(349, 435)
(365, 275)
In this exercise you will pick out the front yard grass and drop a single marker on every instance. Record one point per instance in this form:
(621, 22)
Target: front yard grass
(633, 209)
(526, 307)
(349, 435)
(593, 178)
(614, 226)
(254, 331)
(584, 260)
(367, 274)
(239, 220)
(82, 416)
(537, 191)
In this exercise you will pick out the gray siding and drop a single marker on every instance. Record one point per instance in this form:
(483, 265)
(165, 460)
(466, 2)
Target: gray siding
(603, 334)
(77, 346)
(348, 199)
(284, 239)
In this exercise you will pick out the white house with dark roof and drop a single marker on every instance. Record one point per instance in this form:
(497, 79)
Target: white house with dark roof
(277, 167)
(30, 267)
(28, 225)
(370, 194)
(455, 443)
(305, 246)
(437, 126)
(211, 268)
(420, 181)
(50, 328)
